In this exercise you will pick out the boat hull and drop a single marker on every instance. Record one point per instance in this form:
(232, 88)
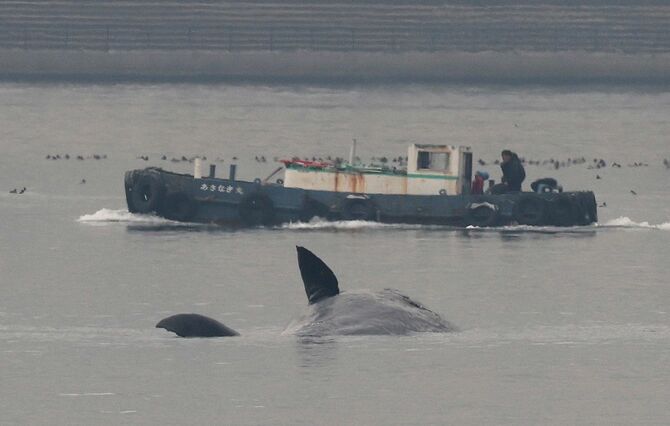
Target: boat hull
(236, 203)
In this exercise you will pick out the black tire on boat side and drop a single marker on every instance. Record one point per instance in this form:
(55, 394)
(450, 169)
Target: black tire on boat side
(563, 211)
(589, 208)
(481, 216)
(312, 208)
(256, 209)
(147, 193)
(128, 185)
(530, 210)
(593, 207)
(179, 206)
(358, 209)
(499, 188)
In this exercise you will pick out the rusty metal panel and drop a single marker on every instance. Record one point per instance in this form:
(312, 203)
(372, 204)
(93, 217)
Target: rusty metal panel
(345, 181)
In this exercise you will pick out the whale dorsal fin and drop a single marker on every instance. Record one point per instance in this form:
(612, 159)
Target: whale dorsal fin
(320, 282)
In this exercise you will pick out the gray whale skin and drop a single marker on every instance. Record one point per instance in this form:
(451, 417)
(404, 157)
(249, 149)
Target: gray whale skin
(195, 325)
(330, 312)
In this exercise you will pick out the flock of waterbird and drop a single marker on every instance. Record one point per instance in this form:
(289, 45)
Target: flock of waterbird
(76, 157)
(596, 163)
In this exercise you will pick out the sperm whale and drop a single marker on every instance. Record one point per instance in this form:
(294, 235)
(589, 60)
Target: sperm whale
(363, 312)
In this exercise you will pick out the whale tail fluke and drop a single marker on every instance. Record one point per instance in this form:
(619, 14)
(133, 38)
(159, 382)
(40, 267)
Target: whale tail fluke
(320, 282)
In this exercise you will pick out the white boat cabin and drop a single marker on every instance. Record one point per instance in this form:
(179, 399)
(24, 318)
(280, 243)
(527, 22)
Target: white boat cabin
(430, 170)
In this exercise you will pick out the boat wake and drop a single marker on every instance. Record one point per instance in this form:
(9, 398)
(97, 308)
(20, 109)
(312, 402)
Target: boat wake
(107, 216)
(353, 225)
(318, 224)
(625, 222)
(104, 216)
(618, 223)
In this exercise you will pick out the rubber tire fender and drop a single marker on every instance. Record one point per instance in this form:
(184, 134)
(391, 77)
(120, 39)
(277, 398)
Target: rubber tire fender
(564, 211)
(358, 209)
(147, 193)
(311, 208)
(256, 209)
(481, 216)
(590, 208)
(530, 210)
(179, 206)
(128, 186)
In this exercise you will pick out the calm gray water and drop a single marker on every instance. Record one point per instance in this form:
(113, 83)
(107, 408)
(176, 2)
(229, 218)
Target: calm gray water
(566, 326)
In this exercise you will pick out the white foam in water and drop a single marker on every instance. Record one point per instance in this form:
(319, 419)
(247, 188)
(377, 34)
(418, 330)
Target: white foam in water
(626, 222)
(105, 215)
(529, 228)
(109, 215)
(321, 224)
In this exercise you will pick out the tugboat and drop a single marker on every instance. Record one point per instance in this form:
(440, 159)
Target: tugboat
(434, 188)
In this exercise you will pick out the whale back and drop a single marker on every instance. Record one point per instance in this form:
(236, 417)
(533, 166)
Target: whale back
(195, 325)
(319, 280)
(363, 312)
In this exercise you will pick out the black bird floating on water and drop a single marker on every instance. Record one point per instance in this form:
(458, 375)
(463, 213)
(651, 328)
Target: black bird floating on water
(78, 157)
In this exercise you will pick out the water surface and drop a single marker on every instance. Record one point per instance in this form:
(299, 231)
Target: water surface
(556, 325)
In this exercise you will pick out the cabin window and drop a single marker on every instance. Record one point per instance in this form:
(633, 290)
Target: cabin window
(423, 160)
(433, 160)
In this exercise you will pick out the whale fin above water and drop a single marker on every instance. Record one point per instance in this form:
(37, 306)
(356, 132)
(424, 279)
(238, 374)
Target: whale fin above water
(320, 282)
(194, 325)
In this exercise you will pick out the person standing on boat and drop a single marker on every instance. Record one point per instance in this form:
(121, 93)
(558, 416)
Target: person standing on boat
(478, 183)
(513, 171)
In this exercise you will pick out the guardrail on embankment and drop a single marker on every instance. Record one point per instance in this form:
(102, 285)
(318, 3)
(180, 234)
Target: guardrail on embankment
(57, 36)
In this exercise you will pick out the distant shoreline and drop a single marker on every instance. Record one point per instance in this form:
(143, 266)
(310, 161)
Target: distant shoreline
(361, 67)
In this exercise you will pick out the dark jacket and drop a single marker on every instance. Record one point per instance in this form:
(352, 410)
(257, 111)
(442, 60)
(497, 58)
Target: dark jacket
(513, 173)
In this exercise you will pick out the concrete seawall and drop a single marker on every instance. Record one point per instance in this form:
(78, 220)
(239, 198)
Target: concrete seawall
(366, 40)
(334, 66)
